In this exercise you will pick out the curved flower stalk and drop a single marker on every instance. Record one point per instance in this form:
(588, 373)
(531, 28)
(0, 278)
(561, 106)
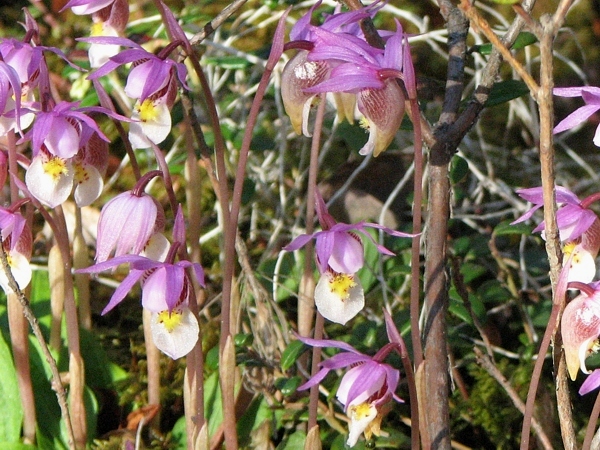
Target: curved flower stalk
(366, 388)
(152, 82)
(339, 60)
(166, 291)
(339, 295)
(17, 242)
(591, 96)
(579, 229)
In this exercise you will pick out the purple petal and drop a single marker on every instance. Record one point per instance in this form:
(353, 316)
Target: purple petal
(328, 343)
(347, 253)
(591, 95)
(123, 289)
(563, 195)
(366, 380)
(393, 55)
(344, 359)
(198, 270)
(350, 78)
(300, 29)
(534, 195)
(299, 242)
(162, 289)
(138, 262)
(573, 221)
(590, 383)
(568, 91)
(314, 380)
(325, 240)
(578, 116)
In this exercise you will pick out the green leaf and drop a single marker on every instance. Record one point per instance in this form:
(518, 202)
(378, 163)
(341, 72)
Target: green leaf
(179, 435)
(294, 441)
(505, 91)
(291, 354)
(459, 309)
(523, 40)
(10, 401)
(493, 291)
(254, 417)
(98, 369)
(288, 386)
(243, 339)
(367, 274)
(51, 431)
(505, 228)
(471, 271)
(213, 406)
(459, 168)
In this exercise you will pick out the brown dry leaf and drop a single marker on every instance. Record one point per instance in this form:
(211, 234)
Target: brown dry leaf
(147, 413)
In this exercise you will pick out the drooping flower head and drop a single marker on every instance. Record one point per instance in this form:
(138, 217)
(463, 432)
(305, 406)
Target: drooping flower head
(302, 72)
(579, 229)
(337, 59)
(166, 290)
(366, 388)
(152, 82)
(340, 255)
(58, 136)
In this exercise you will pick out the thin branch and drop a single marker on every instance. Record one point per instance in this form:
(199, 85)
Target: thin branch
(481, 24)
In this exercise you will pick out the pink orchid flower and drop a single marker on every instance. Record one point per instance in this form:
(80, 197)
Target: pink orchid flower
(152, 81)
(579, 229)
(301, 72)
(339, 295)
(166, 289)
(60, 142)
(337, 59)
(365, 388)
